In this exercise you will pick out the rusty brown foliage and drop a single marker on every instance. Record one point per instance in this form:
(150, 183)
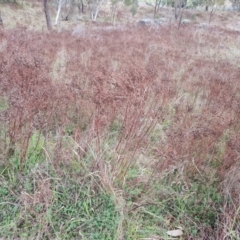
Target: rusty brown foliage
(137, 75)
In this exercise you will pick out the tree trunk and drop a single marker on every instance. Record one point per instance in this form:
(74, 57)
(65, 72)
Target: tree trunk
(180, 19)
(175, 11)
(46, 10)
(1, 21)
(58, 12)
(114, 10)
(95, 11)
(157, 7)
(212, 13)
(96, 14)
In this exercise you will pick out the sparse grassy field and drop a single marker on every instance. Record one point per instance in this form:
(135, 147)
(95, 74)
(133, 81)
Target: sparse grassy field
(120, 133)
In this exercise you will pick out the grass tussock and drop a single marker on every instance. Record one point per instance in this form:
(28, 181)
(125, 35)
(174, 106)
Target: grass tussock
(119, 133)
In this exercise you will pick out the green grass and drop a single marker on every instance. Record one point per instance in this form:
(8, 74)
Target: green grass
(37, 203)
(173, 205)
(67, 208)
(67, 201)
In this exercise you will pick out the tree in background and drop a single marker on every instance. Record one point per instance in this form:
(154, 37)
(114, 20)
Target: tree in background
(47, 15)
(193, 3)
(133, 4)
(236, 4)
(1, 21)
(65, 6)
(114, 7)
(213, 6)
(95, 6)
(179, 6)
(81, 6)
(158, 4)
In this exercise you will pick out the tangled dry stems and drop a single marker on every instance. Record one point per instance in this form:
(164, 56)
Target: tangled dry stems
(138, 78)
